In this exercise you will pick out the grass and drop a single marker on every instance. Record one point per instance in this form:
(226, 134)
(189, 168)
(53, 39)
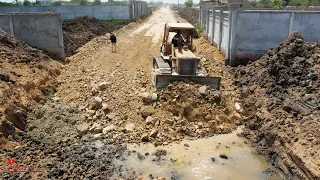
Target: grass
(200, 28)
(116, 22)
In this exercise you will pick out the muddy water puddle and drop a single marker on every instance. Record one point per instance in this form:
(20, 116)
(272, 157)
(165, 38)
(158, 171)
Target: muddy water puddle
(200, 159)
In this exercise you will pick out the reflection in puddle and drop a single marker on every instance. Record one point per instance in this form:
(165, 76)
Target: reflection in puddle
(201, 160)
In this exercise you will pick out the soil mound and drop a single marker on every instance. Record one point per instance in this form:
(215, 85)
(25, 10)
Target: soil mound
(26, 75)
(81, 30)
(189, 14)
(280, 93)
(15, 51)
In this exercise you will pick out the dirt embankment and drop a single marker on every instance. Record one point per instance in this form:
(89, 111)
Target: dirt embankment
(26, 75)
(81, 30)
(189, 14)
(281, 96)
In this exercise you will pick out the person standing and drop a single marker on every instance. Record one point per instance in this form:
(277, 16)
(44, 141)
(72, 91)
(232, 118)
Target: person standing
(113, 40)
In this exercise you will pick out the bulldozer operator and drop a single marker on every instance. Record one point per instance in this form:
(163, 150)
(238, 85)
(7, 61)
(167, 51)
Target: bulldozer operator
(179, 42)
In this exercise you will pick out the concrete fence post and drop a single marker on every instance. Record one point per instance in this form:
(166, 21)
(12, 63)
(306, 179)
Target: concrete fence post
(200, 12)
(207, 23)
(11, 25)
(291, 23)
(233, 11)
(220, 28)
(213, 23)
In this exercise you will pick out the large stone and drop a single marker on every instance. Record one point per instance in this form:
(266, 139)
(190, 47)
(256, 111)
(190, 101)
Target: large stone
(146, 97)
(145, 112)
(145, 138)
(111, 116)
(154, 133)
(105, 108)
(104, 85)
(94, 91)
(108, 129)
(151, 120)
(96, 103)
(236, 116)
(154, 96)
(97, 136)
(129, 127)
(204, 90)
(96, 128)
(83, 128)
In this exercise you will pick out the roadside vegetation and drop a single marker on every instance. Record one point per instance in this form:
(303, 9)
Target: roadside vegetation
(64, 3)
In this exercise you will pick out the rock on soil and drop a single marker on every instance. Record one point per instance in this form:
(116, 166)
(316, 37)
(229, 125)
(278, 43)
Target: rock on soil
(81, 30)
(26, 76)
(280, 93)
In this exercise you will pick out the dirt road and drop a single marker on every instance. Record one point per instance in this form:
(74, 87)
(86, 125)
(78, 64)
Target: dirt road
(126, 75)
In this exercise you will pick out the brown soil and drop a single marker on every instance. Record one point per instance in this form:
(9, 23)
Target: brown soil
(189, 14)
(127, 74)
(26, 75)
(104, 98)
(81, 30)
(280, 93)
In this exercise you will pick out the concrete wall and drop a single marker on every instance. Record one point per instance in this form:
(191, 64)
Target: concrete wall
(244, 35)
(134, 10)
(40, 30)
(139, 8)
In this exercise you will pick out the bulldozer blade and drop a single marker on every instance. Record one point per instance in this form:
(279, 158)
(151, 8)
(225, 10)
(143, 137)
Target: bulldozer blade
(162, 80)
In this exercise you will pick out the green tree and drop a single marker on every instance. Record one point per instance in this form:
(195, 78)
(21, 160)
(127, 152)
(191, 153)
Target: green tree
(83, 2)
(6, 4)
(263, 4)
(188, 3)
(315, 3)
(303, 3)
(26, 3)
(56, 3)
(277, 4)
(96, 2)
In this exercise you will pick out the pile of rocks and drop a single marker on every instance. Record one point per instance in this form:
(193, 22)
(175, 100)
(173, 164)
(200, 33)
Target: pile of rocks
(280, 95)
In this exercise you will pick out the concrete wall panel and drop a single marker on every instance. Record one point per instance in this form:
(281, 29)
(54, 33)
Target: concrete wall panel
(248, 34)
(9, 9)
(29, 9)
(40, 30)
(65, 9)
(135, 9)
(103, 9)
(261, 30)
(45, 9)
(5, 23)
(68, 16)
(308, 24)
(84, 9)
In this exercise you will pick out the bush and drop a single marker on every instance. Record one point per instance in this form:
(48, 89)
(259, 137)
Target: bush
(83, 2)
(199, 28)
(188, 3)
(96, 2)
(26, 3)
(56, 3)
(277, 4)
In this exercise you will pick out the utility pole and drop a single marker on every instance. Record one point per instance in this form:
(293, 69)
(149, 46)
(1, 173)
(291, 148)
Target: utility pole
(178, 6)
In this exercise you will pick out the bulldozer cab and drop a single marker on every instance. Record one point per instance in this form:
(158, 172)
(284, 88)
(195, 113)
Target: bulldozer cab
(169, 45)
(176, 61)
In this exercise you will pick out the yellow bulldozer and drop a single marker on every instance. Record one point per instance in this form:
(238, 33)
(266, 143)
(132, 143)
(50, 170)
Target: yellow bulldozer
(176, 61)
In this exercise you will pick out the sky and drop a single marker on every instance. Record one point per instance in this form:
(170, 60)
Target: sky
(164, 1)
